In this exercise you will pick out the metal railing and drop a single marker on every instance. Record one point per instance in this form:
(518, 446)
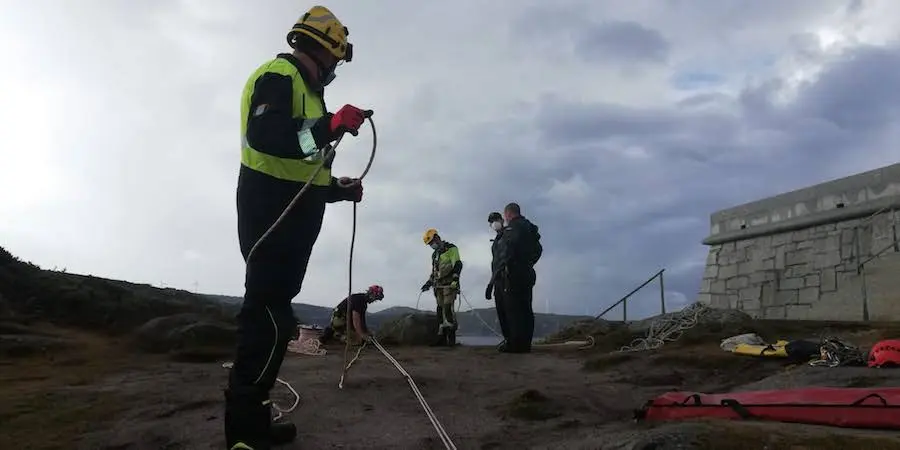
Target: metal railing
(624, 300)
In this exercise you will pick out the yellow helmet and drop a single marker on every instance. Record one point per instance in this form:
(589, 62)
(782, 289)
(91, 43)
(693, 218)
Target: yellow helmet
(324, 27)
(429, 235)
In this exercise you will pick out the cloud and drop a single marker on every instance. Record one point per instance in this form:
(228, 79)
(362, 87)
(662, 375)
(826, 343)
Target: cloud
(622, 41)
(122, 149)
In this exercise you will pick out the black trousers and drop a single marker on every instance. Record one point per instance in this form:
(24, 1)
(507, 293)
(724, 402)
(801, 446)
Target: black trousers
(520, 312)
(274, 276)
(502, 307)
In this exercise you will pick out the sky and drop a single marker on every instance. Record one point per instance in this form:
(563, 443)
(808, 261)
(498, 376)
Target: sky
(618, 126)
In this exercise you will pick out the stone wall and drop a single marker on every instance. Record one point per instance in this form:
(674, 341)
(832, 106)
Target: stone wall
(809, 273)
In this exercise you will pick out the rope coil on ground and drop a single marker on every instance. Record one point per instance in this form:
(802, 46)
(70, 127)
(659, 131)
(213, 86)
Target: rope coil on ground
(668, 328)
(310, 347)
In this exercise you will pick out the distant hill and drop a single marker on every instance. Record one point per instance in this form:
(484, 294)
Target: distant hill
(469, 323)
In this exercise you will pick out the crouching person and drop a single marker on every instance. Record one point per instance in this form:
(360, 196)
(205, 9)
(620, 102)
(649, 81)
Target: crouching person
(359, 304)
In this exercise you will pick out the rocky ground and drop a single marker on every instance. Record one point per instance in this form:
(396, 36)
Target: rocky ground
(93, 392)
(69, 380)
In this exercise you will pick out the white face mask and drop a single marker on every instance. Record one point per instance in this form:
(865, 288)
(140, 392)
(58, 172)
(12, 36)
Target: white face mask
(497, 226)
(434, 246)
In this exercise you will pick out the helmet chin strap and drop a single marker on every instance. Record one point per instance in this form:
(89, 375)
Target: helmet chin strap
(326, 75)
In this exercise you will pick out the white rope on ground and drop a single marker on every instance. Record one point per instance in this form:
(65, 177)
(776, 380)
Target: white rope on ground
(350, 364)
(438, 427)
(281, 411)
(668, 328)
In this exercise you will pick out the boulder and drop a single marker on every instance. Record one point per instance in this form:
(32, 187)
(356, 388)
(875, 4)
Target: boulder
(183, 331)
(22, 345)
(409, 329)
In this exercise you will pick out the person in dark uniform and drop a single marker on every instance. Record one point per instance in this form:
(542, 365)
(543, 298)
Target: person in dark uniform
(359, 304)
(497, 283)
(520, 251)
(284, 127)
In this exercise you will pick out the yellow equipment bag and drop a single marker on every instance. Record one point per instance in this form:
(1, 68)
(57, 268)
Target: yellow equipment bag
(772, 350)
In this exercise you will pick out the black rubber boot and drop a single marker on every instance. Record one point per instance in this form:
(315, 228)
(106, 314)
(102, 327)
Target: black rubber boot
(283, 433)
(441, 339)
(451, 338)
(248, 420)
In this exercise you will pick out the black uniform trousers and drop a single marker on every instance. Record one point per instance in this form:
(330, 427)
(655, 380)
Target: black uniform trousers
(520, 311)
(500, 304)
(274, 276)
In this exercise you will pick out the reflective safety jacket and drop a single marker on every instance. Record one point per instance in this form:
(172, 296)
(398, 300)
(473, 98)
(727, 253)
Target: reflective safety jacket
(445, 265)
(273, 122)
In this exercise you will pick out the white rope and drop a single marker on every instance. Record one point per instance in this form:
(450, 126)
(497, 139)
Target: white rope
(472, 309)
(438, 427)
(350, 364)
(418, 299)
(281, 411)
(478, 316)
(668, 328)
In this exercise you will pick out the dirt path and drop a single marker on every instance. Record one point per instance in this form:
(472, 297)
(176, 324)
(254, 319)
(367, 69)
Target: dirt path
(545, 400)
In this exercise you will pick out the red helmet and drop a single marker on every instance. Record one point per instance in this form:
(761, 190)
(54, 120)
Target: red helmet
(885, 353)
(375, 292)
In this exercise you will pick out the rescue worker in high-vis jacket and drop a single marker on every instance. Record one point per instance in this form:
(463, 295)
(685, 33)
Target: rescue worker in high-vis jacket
(284, 127)
(359, 304)
(444, 280)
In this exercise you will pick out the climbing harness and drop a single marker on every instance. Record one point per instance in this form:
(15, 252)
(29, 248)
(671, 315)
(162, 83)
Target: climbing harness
(668, 328)
(835, 352)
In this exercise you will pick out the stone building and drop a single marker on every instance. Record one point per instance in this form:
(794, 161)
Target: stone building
(826, 252)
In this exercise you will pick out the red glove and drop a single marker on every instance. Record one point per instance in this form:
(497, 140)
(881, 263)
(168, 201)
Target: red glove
(353, 192)
(348, 119)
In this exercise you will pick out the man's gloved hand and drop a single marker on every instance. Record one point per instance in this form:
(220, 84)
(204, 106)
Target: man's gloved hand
(351, 192)
(348, 119)
(488, 291)
(426, 286)
(454, 284)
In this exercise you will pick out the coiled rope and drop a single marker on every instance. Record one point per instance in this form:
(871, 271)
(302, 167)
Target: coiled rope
(668, 328)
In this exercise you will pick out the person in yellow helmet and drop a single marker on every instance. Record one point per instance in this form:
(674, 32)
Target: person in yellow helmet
(446, 268)
(284, 128)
